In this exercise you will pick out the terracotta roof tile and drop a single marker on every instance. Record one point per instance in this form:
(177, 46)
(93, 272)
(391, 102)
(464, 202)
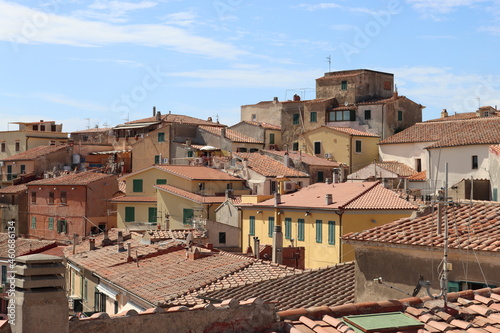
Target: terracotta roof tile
(93, 130)
(290, 288)
(269, 167)
(366, 195)
(352, 131)
(190, 195)
(495, 149)
(419, 176)
(263, 125)
(132, 198)
(450, 133)
(480, 218)
(463, 116)
(24, 246)
(197, 172)
(305, 158)
(231, 135)
(37, 152)
(176, 118)
(13, 189)
(81, 178)
(398, 168)
(479, 318)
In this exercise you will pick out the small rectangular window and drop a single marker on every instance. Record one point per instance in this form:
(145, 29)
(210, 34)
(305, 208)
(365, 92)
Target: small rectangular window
(295, 146)
(270, 227)
(64, 199)
(475, 162)
(137, 185)
(152, 214)
(157, 159)
(222, 238)
(343, 85)
(271, 138)
(331, 232)
(400, 115)
(317, 147)
(3, 147)
(418, 164)
(321, 176)
(319, 231)
(18, 146)
(368, 114)
(296, 118)
(288, 228)
(313, 117)
(161, 182)
(300, 229)
(161, 137)
(358, 146)
(62, 227)
(51, 198)
(252, 226)
(33, 222)
(51, 223)
(129, 214)
(33, 197)
(22, 169)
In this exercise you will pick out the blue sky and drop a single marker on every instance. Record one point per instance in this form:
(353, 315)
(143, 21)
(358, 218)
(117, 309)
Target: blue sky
(87, 63)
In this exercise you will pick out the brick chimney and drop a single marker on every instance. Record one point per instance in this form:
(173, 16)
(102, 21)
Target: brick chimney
(120, 241)
(328, 199)
(41, 304)
(92, 243)
(444, 113)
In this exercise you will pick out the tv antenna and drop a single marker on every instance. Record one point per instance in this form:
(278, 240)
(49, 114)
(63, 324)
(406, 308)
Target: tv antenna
(443, 283)
(88, 122)
(329, 61)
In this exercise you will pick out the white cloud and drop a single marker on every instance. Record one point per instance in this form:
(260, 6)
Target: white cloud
(182, 19)
(114, 11)
(121, 62)
(318, 6)
(241, 78)
(23, 25)
(437, 10)
(64, 100)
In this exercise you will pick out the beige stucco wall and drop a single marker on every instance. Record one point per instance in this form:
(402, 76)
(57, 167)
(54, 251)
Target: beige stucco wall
(406, 153)
(145, 149)
(26, 141)
(268, 112)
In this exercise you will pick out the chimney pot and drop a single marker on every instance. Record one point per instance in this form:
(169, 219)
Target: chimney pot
(120, 241)
(92, 243)
(277, 199)
(444, 113)
(329, 199)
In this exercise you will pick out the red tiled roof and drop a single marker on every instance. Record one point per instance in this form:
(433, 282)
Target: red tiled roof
(13, 189)
(231, 135)
(176, 118)
(473, 311)
(190, 195)
(495, 149)
(24, 246)
(132, 198)
(450, 133)
(398, 168)
(465, 115)
(305, 158)
(475, 227)
(81, 178)
(263, 125)
(34, 153)
(196, 172)
(381, 100)
(93, 130)
(57, 251)
(420, 176)
(290, 288)
(269, 167)
(352, 131)
(349, 196)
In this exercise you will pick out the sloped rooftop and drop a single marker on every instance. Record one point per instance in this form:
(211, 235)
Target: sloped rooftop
(24, 246)
(37, 152)
(269, 167)
(305, 158)
(475, 227)
(80, 178)
(231, 134)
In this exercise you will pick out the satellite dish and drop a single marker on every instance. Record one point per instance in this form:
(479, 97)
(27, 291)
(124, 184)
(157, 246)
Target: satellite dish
(346, 103)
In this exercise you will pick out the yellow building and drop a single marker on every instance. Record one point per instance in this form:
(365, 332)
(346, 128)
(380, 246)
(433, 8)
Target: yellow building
(169, 195)
(316, 217)
(341, 144)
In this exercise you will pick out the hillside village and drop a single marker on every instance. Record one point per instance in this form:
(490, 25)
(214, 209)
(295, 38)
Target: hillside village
(305, 216)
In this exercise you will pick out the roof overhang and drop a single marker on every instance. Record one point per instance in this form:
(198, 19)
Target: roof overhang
(134, 126)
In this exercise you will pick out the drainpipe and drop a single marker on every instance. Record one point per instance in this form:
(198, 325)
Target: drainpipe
(277, 256)
(383, 125)
(340, 213)
(351, 152)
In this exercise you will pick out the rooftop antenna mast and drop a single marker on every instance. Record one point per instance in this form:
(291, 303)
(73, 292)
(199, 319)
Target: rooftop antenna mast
(329, 61)
(88, 122)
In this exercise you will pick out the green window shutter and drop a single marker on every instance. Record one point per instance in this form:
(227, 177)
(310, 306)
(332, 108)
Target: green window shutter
(51, 223)
(152, 214)
(161, 137)
(33, 222)
(270, 229)
(400, 115)
(137, 185)
(313, 117)
(161, 182)
(252, 226)
(352, 115)
(453, 286)
(296, 118)
(271, 138)
(61, 226)
(187, 215)
(319, 231)
(300, 229)
(331, 232)
(157, 159)
(190, 153)
(495, 194)
(288, 228)
(129, 214)
(343, 85)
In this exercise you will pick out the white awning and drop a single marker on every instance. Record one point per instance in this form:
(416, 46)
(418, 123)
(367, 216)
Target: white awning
(132, 305)
(108, 291)
(135, 125)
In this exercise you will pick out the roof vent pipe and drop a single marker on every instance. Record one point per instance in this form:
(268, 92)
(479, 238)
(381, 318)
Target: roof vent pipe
(277, 199)
(154, 111)
(92, 243)
(327, 180)
(120, 241)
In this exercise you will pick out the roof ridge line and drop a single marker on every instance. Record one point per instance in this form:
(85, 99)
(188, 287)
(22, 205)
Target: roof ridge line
(359, 195)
